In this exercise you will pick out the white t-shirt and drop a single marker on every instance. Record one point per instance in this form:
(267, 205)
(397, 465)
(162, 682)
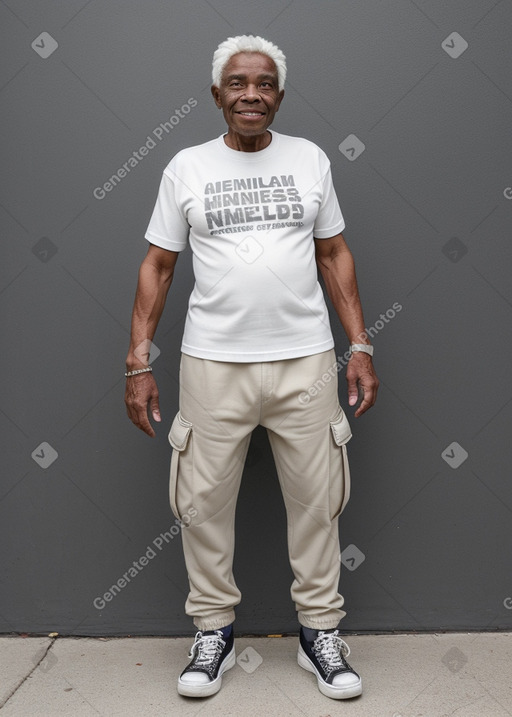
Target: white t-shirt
(250, 219)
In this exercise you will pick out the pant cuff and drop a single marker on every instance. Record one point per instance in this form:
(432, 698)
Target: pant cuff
(214, 622)
(321, 623)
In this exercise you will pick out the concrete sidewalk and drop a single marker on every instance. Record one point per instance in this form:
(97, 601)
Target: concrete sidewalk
(466, 674)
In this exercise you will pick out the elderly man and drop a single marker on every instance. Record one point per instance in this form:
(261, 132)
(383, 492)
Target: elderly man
(260, 214)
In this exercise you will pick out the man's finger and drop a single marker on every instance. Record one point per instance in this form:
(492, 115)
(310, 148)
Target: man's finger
(139, 417)
(141, 395)
(352, 391)
(155, 408)
(369, 398)
(143, 423)
(366, 403)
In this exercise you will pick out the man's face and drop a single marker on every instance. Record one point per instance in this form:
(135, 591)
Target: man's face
(249, 93)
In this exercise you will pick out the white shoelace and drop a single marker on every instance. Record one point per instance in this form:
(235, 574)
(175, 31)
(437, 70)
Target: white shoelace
(330, 648)
(208, 647)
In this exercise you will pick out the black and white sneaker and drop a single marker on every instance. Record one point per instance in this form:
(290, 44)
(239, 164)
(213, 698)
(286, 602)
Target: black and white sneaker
(212, 654)
(325, 657)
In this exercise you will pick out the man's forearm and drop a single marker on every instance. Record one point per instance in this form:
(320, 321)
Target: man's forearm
(336, 265)
(338, 273)
(152, 288)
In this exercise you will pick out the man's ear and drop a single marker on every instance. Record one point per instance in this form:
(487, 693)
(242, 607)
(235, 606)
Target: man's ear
(279, 100)
(216, 96)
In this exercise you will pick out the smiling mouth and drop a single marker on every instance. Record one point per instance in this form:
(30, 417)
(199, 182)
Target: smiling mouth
(251, 114)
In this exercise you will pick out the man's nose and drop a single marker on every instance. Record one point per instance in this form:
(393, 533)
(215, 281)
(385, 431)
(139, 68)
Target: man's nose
(251, 93)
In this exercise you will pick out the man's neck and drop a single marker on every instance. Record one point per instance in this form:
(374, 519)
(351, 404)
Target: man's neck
(247, 144)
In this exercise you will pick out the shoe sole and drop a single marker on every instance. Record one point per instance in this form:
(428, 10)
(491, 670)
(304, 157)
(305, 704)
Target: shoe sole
(211, 688)
(335, 693)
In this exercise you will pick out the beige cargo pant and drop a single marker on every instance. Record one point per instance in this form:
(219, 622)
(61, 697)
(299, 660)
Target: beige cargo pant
(220, 403)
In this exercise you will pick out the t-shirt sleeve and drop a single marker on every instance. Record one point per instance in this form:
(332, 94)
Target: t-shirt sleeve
(329, 220)
(168, 228)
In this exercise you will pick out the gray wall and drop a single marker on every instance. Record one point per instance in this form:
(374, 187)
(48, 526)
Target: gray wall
(426, 537)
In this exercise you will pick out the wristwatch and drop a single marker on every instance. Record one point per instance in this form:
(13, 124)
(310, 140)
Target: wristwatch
(365, 348)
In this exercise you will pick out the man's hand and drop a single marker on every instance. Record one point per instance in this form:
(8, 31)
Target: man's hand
(142, 392)
(336, 265)
(155, 278)
(361, 375)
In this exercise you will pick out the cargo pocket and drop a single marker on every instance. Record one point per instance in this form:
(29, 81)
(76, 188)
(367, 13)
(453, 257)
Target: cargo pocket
(178, 438)
(339, 489)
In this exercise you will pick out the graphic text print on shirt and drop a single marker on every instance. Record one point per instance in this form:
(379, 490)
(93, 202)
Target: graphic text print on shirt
(251, 199)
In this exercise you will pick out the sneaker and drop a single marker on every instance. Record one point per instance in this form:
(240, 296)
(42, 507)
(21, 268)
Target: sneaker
(325, 657)
(212, 654)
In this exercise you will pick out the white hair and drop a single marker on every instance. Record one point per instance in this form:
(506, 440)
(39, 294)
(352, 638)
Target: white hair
(247, 43)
